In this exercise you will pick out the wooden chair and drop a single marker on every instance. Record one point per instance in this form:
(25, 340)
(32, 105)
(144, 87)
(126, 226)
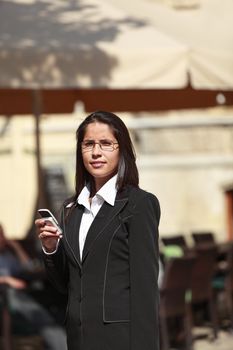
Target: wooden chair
(224, 283)
(229, 284)
(5, 321)
(176, 282)
(201, 283)
(9, 340)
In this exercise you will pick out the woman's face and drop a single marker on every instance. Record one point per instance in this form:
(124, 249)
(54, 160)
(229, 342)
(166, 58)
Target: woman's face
(102, 164)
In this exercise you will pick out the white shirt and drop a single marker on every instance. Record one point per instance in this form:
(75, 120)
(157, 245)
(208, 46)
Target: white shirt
(107, 193)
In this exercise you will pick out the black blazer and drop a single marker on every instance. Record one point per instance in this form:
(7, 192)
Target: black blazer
(112, 292)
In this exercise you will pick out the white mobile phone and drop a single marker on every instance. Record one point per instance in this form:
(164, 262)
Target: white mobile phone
(50, 218)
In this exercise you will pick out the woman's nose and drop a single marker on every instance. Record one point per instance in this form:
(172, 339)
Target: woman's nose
(96, 149)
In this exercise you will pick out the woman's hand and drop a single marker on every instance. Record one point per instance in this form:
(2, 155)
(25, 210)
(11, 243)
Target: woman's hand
(48, 234)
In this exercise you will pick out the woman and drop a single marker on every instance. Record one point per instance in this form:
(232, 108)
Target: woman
(107, 258)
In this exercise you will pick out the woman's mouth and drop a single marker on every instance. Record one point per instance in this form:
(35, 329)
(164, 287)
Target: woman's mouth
(97, 165)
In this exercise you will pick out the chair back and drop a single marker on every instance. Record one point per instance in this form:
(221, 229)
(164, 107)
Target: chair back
(203, 238)
(176, 282)
(175, 240)
(203, 272)
(229, 275)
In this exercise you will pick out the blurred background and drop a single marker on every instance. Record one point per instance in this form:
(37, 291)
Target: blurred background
(164, 66)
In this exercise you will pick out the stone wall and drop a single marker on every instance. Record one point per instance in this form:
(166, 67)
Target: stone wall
(187, 168)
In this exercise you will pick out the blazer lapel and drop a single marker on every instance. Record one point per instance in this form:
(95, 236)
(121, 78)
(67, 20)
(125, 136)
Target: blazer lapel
(104, 217)
(71, 233)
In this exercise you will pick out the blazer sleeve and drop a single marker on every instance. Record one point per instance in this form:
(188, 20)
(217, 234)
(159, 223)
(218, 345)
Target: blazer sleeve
(57, 269)
(56, 264)
(144, 267)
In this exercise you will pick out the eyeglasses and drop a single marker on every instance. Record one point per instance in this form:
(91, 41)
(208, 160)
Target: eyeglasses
(105, 145)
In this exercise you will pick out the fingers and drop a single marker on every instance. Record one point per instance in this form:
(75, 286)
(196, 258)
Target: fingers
(40, 223)
(46, 231)
(48, 234)
(42, 226)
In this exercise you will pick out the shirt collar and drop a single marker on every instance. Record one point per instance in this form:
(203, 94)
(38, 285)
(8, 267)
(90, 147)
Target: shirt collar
(83, 197)
(107, 192)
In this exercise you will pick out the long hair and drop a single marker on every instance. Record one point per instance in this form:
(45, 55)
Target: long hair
(127, 169)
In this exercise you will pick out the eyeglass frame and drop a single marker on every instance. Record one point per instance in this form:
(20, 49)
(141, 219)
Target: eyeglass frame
(87, 149)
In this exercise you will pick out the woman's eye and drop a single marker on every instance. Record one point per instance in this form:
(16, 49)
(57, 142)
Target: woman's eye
(106, 143)
(88, 143)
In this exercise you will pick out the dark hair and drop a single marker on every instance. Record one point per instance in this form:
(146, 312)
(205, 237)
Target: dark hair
(127, 169)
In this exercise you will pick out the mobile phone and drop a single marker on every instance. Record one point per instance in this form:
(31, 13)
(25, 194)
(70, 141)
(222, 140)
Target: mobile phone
(49, 218)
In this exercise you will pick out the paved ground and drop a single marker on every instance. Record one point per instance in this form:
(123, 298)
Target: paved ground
(223, 342)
